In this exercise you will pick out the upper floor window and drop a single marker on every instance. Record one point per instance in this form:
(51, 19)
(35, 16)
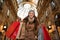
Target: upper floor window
(53, 5)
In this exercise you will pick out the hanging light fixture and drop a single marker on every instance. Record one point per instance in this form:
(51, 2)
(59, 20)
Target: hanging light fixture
(4, 27)
(49, 27)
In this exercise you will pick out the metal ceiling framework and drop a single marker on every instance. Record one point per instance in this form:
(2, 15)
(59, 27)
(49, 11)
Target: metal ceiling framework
(43, 5)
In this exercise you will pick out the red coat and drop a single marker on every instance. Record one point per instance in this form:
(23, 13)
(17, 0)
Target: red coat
(13, 30)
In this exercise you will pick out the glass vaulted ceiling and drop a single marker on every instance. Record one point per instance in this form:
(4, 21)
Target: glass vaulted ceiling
(34, 1)
(24, 8)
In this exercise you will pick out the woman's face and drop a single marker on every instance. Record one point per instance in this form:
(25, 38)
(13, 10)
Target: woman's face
(31, 14)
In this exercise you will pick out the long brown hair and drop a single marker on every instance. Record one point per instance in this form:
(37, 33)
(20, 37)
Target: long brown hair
(35, 20)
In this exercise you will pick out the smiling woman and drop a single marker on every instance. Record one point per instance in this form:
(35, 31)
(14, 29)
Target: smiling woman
(24, 8)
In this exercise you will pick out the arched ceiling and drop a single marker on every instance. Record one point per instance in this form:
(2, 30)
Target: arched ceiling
(34, 1)
(25, 6)
(43, 5)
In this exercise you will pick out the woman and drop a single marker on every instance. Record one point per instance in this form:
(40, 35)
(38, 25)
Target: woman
(31, 25)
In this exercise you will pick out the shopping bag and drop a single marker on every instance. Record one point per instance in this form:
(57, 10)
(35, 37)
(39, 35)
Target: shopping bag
(13, 36)
(45, 33)
(40, 34)
(12, 28)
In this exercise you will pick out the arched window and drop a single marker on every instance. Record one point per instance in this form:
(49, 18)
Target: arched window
(53, 5)
(1, 3)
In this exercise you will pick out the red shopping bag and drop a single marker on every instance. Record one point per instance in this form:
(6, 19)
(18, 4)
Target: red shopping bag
(12, 28)
(45, 32)
(13, 36)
